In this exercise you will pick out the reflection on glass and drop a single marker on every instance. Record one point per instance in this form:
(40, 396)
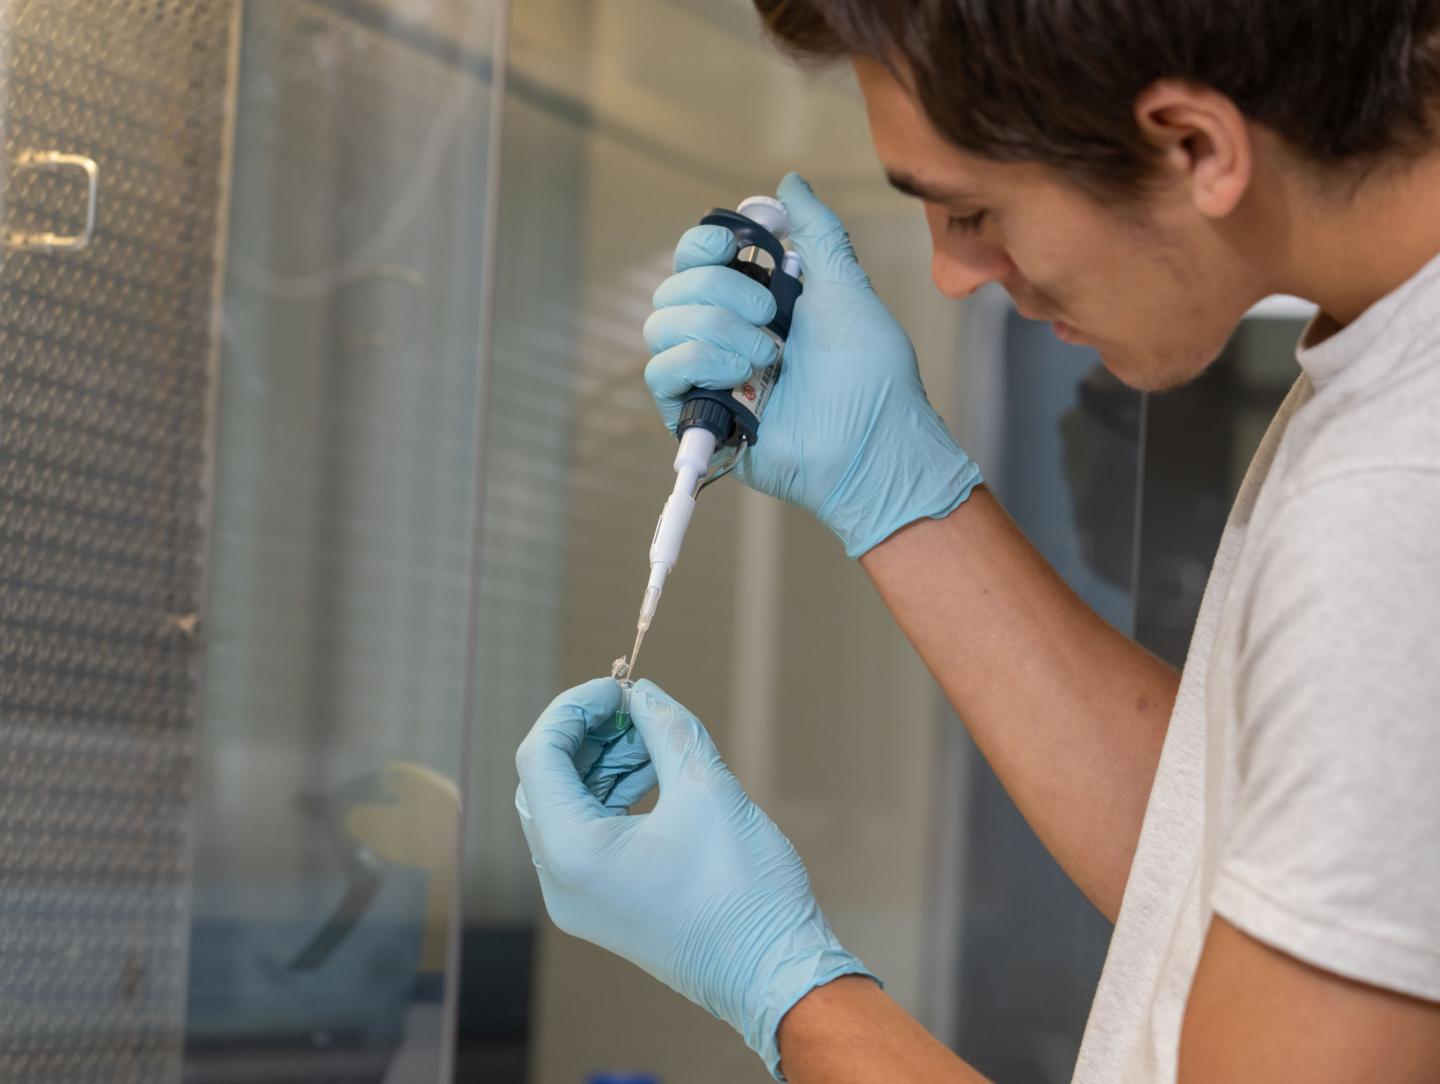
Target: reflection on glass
(336, 683)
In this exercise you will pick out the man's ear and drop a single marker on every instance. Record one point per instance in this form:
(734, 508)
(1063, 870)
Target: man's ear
(1203, 141)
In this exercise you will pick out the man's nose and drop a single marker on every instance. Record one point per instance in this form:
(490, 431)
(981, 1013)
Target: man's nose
(958, 277)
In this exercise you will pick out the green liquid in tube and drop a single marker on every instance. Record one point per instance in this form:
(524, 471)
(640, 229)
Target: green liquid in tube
(621, 722)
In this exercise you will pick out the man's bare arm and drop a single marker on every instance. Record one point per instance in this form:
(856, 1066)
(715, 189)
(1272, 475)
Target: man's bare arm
(1253, 1014)
(851, 1032)
(1070, 713)
(1258, 1014)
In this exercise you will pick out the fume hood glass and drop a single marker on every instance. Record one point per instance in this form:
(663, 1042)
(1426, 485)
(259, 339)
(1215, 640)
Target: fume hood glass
(339, 676)
(242, 279)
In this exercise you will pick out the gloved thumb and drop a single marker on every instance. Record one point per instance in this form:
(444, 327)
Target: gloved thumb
(551, 791)
(819, 235)
(676, 739)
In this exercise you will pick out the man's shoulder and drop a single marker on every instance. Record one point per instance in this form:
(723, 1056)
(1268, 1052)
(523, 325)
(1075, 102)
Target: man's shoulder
(1384, 426)
(1358, 492)
(1352, 532)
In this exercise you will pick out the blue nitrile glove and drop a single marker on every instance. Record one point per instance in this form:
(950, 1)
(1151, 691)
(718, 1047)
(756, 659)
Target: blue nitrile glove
(848, 434)
(613, 762)
(704, 893)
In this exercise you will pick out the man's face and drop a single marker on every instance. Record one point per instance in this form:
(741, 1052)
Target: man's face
(1151, 285)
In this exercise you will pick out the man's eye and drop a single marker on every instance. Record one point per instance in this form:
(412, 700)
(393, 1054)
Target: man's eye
(968, 223)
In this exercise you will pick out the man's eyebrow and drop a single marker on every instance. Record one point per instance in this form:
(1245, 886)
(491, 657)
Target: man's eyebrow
(928, 192)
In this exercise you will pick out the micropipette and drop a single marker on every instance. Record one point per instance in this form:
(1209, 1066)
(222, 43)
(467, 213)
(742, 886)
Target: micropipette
(712, 419)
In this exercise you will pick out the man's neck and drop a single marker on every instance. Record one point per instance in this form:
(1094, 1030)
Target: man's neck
(1351, 245)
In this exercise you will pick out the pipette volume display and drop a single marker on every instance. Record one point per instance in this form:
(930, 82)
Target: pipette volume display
(712, 419)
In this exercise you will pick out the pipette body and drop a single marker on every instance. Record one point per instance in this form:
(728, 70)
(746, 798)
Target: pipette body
(713, 419)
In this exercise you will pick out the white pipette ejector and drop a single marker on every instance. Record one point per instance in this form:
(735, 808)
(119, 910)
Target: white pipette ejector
(718, 419)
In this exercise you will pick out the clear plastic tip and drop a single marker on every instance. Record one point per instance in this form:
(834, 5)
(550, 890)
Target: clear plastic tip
(648, 605)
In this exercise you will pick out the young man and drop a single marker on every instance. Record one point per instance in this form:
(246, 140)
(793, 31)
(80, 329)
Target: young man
(1264, 830)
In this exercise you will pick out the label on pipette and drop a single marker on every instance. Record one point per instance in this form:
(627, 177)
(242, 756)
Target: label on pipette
(755, 392)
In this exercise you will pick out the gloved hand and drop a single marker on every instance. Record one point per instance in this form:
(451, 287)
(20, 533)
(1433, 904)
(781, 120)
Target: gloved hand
(848, 434)
(704, 893)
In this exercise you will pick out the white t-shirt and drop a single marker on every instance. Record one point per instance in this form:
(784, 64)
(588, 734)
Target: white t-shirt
(1298, 793)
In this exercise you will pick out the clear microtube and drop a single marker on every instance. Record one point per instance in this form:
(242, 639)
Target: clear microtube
(622, 717)
(620, 671)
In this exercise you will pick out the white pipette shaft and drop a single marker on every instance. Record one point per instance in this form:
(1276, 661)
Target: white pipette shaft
(691, 463)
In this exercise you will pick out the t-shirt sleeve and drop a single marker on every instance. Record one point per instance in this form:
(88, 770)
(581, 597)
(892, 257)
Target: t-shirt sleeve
(1333, 855)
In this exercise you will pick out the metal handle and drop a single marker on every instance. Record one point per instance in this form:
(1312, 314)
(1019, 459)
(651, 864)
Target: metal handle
(55, 161)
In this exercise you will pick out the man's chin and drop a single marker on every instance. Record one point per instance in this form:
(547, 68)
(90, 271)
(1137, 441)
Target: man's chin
(1149, 374)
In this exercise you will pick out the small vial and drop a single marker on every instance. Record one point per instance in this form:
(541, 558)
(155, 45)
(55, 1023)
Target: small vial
(621, 722)
(620, 671)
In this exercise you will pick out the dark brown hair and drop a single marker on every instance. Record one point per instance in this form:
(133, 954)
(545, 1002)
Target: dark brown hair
(1055, 81)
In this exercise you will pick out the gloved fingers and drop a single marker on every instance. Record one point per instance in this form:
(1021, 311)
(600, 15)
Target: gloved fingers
(593, 699)
(677, 741)
(527, 826)
(617, 760)
(672, 373)
(554, 796)
(720, 286)
(711, 324)
(629, 789)
(819, 235)
(701, 245)
(522, 807)
(601, 736)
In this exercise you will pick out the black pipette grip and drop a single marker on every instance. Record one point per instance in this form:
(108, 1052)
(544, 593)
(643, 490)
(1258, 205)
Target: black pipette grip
(720, 410)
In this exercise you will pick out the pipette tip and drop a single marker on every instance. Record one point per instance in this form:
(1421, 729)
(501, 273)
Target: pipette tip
(634, 654)
(648, 605)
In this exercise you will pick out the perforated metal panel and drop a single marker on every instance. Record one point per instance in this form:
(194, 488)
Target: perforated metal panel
(105, 359)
